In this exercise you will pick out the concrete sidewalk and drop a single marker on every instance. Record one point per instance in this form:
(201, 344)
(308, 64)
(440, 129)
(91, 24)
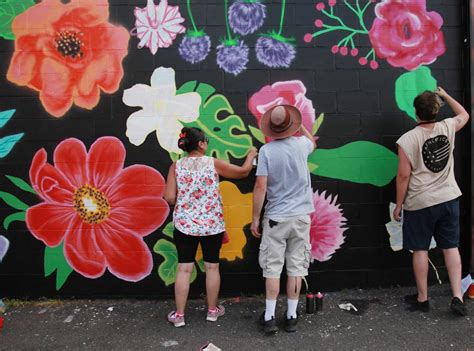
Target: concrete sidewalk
(382, 322)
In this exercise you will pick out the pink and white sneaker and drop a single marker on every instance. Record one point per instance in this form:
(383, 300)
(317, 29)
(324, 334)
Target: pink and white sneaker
(175, 319)
(213, 315)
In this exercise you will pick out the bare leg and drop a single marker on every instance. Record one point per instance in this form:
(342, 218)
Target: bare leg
(453, 265)
(293, 287)
(420, 268)
(181, 285)
(272, 288)
(213, 283)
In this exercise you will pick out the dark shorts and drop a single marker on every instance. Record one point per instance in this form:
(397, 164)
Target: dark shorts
(440, 221)
(187, 246)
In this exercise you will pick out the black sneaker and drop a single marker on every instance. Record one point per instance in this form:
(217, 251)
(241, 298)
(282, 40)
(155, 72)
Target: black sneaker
(290, 324)
(269, 327)
(458, 307)
(416, 305)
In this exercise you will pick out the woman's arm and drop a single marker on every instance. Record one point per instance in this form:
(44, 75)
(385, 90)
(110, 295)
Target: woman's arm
(230, 171)
(170, 190)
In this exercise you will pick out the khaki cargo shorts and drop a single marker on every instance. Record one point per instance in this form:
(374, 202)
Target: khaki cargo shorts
(285, 239)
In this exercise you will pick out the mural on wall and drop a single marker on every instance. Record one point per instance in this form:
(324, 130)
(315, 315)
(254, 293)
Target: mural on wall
(232, 53)
(9, 9)
(69, 53)
(409, 85)
(327, 227)
(246, 16)
(237, 214)
(161, 108)
(358, 162)
(275, 50)
(157, 26)
(404, 33)
(4, 245)
(7, 142)
(196, 44)
(94, 212)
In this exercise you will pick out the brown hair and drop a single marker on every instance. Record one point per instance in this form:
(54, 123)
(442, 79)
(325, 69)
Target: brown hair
(427, 105)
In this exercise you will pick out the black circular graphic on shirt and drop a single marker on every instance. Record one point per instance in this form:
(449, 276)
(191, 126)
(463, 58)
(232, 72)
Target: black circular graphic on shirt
(436, 152)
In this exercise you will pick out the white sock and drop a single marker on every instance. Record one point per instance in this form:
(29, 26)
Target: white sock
(270, 309)
(292, 306)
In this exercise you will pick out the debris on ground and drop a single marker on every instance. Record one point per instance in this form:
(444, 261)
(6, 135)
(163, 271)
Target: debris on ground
(347, 307)
(169, 343)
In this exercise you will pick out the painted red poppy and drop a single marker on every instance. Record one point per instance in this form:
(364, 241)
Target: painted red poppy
(100, 210)
(68, 52)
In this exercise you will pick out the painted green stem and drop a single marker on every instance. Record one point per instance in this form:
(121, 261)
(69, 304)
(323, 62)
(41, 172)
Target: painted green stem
(282, 16)
(226, 5)
(190, 13)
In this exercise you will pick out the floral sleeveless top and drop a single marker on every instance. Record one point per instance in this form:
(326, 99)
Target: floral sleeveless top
(198, 209)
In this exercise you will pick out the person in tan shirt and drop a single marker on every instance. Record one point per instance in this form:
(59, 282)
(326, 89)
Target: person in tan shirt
(428, 192)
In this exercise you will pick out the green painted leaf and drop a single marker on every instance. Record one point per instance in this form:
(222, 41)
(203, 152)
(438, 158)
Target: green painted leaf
(201, 266)
(409, 85)
(13, 201)
(174, 156)
(312, 167)
(218, 121)
(9, 9)
(318, 123)
(257, 133)
(54, 260)
(168, 229)
(20, 183)
(17, 216)
(7, 114)
(7, 143)
(359, 162)
(167, 269)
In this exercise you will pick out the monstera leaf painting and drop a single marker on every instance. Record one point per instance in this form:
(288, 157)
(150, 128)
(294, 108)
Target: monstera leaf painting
(223, 142)
(9, 9)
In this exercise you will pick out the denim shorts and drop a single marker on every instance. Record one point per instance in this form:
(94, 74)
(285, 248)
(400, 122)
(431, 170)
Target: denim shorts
(440, 221)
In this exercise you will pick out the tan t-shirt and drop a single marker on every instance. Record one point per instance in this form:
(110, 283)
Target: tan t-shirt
(430, 152)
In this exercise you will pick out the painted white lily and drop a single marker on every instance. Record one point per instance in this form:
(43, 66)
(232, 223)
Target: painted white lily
(163, 110)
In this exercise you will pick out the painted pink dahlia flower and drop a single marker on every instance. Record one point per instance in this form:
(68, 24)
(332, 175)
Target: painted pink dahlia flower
(327, 227)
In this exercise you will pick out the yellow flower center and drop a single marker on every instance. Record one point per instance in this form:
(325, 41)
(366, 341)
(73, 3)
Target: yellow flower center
(91, 204)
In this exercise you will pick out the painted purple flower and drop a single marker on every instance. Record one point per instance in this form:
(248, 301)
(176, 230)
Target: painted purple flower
(4, 244)
(194, 49)
(246, 16)
(274, 53)
(233, 57)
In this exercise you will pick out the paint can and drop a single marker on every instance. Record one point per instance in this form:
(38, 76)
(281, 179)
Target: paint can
(1, 322)
(470, 292)
(309, 303)
(319, 301)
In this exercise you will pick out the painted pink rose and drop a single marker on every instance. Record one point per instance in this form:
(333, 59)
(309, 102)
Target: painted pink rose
(327, 227)
(405, 34)
(291, 92)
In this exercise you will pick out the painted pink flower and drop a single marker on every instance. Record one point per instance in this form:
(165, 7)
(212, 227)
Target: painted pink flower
(291, 92)
(100, 210)
(406, 34)
(158, 25)
(327, 227)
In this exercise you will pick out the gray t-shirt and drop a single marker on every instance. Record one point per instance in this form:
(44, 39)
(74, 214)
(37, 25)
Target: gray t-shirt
(285, 163)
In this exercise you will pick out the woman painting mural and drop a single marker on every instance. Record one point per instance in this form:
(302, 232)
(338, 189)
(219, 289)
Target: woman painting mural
(193, 187)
